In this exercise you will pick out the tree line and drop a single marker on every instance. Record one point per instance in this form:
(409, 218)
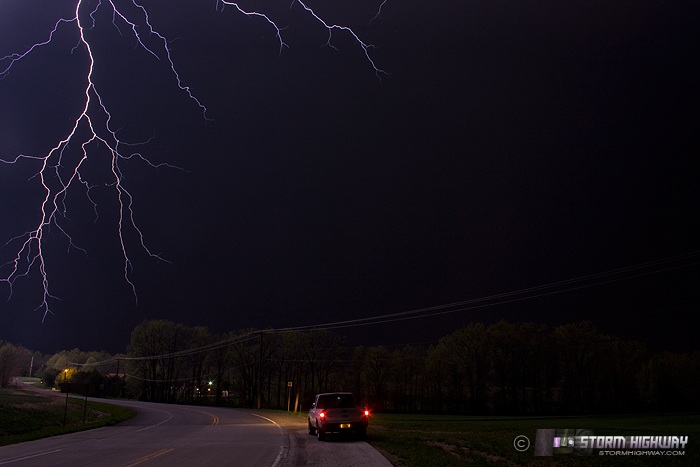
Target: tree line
(501, 368)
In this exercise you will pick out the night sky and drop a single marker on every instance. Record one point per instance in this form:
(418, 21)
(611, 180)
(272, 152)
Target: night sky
(510, 145)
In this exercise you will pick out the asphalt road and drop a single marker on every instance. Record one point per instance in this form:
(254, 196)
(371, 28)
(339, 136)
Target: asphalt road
(305, 450)
(175, 435)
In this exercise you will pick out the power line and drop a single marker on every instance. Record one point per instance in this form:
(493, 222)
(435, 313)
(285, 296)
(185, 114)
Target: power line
(503, 298)
(552, 288)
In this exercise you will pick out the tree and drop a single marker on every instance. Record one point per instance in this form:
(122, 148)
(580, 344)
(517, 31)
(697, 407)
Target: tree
(436, 371)
(466, 354)
(355, 373)
(322, 352)
(669, 381)
(409, 368)
(618, 388)
(378, 367)
(245, 355)
(505, 345)
(9, 359)
(155, 353)
(289, 364)
(581, 348)
(66, 358)
(198, 364)
(220, 358)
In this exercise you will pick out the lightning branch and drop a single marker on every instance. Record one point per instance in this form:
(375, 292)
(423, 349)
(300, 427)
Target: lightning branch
(92, 134)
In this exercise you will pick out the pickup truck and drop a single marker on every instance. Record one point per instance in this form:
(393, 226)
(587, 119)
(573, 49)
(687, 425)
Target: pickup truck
(336, 412)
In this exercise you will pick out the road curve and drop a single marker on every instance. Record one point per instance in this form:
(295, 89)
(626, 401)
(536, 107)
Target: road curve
(167, 435)
(162, 435)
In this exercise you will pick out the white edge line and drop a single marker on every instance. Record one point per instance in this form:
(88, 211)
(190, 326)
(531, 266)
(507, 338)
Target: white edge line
(17, 459)
(283, 448)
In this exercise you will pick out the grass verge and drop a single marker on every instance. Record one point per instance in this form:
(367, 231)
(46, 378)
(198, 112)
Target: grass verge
(29, 415)
(430, 440)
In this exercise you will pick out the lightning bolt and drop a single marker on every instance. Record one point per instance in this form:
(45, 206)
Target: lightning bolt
(379, 11)
(92, 134)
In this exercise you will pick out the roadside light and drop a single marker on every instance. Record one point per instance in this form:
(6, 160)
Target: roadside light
(210, 383)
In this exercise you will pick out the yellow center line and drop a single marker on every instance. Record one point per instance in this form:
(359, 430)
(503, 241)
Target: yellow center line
(143, 459)
(215, 419)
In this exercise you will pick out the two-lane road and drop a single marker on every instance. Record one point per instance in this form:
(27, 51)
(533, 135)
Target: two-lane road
(163, 435)
(179, 435)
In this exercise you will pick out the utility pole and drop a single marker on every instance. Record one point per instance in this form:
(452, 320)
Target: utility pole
(260, 357)
(119, 391)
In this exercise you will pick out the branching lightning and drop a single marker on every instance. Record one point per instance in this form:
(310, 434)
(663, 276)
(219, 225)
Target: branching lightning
(61, 170)
(379, 11)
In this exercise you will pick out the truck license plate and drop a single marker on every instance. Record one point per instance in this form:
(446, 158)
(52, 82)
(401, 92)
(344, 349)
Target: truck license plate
(344, 425)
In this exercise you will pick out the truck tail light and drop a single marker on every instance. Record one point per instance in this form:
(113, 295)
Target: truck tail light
(322, 415)
(366, 413)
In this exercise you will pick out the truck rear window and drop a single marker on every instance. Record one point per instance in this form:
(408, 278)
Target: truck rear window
(344, 401)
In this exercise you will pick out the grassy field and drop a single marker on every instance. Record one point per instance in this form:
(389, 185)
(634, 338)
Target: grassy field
(429, 440)
(26, 415)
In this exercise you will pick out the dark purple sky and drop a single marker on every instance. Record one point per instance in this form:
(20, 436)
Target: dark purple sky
(512, 144)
